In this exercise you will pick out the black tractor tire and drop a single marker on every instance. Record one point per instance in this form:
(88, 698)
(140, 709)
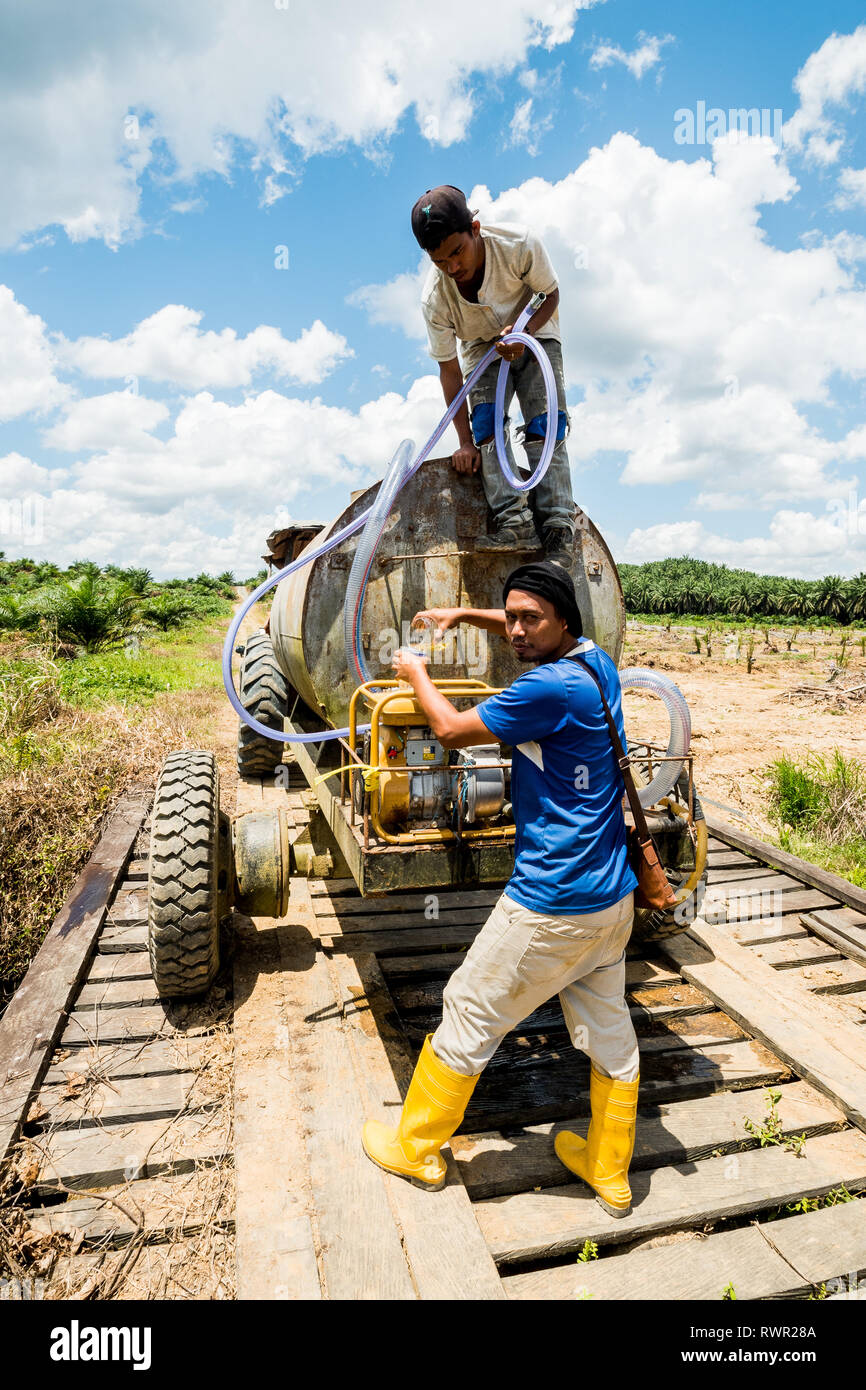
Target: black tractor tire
(186, 883)
(264, 692)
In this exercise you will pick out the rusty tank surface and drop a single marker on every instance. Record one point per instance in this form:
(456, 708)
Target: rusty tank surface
(427, 558)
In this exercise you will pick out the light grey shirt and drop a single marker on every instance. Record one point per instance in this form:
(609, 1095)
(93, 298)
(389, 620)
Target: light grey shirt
(515, 261)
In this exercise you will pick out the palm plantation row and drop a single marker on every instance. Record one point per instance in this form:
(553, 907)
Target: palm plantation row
(687, 586)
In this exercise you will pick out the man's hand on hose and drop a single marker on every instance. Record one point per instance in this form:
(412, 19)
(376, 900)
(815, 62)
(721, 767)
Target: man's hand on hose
(466, 459)
(510, 351)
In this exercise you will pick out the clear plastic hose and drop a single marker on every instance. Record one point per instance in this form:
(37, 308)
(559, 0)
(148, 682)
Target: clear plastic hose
(516, 336)
(377, 520)
(639, 678)
(400, 470)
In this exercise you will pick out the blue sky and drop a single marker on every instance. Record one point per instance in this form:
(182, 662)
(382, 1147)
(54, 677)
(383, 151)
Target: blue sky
(168, 395)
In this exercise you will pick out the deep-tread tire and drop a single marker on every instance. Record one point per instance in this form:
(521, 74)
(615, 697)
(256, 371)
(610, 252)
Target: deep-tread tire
(264, 692)
(183, 901)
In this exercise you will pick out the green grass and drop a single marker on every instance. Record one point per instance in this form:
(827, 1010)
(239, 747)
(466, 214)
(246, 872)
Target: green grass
(73, 734)
(819, 805)
(163, 663)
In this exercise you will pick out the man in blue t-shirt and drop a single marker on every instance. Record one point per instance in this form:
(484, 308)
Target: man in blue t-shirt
(564, 918)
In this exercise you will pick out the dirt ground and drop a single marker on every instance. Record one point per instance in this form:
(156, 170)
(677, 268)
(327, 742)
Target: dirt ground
(740, 721)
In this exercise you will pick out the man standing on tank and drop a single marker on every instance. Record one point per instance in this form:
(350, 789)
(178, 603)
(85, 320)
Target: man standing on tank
(565, 916)
(481, 278)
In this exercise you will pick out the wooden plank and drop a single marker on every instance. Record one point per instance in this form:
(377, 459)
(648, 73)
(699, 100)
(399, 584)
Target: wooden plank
(123, 1100)
(801, 1028)
(741, 874)
(178, 1053)
(838, 976)
(728, 858)
(744, 902)
(811, 1249)
(130, 905)
(845, 920)
(755, 930)
(100, 1157)
(383, 943)
(362, 1255)
(532, 1080)
(641, 977)
(791, 954)
(772, 882)
(34, 1019)
(493, 1165)
(275, 1244)
(122, 936)
(117, 994)
(467, 917)
(119, 1025)
(824, 925)
(446, 1250)
(720, 847)
(397, 968)
(123, 965)
(838, 888)
(644, 972)
(447, 899)
(706, 1031)
(421, 1006)
(541, 1225)
(162, 1208)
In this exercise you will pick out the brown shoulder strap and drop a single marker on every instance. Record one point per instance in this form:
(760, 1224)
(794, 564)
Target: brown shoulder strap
(621, 757)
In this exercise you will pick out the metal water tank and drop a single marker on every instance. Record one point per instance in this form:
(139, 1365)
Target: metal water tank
(427, 558)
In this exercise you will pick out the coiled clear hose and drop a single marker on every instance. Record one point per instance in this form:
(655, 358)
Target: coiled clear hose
(639, 678)
(397, 467)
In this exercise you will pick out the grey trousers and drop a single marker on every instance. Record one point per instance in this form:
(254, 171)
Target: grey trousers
(551, 501)
(520, 959)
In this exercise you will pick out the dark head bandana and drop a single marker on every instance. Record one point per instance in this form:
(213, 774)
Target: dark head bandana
(438, 214)
(549, 581)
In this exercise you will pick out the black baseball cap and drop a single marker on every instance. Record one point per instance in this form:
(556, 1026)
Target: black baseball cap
(438, 214)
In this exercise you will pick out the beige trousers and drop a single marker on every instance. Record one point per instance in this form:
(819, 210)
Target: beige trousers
(521, 958)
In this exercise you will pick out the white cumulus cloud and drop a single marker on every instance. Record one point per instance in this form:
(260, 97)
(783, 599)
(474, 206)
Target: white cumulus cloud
(799, 543)
(833, 76)
(169, 346)
(852, 189)
(646, 55)
(93, 97)
(28, 380)
(119, 418)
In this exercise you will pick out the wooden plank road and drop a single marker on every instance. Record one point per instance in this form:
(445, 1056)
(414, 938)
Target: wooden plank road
(33, 1021)
(557, 1221)
(752, 1074)
(786, 1259)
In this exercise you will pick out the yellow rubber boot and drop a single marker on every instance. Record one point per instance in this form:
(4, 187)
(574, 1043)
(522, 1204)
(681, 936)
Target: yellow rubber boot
(434, 1106)
(602, 1159)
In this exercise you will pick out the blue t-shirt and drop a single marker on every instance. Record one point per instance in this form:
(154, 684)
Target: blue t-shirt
(566, 788)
